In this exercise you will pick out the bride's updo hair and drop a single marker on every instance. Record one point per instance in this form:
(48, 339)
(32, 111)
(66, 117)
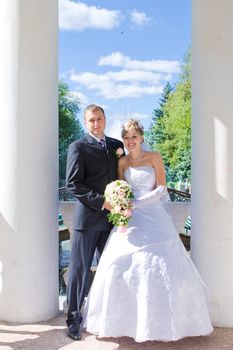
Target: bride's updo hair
(132, 124)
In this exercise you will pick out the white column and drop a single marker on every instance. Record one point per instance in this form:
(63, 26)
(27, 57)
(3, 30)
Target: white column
(212, 153)
(28, 160)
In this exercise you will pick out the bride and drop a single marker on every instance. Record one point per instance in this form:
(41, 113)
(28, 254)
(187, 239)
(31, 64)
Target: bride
(146, 286)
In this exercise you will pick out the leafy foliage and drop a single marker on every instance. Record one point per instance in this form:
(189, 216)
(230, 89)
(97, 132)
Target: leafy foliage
(156, 132)
(70, 128)
(171, 128)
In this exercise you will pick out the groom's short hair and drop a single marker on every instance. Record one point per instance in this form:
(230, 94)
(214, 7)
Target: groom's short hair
(93, 108)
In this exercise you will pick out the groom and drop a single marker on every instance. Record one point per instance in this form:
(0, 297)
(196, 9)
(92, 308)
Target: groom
(91, 165)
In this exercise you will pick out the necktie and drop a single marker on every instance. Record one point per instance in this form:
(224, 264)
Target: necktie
(103, 144)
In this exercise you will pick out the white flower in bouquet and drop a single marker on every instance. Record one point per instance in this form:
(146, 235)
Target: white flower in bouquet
(119, 194)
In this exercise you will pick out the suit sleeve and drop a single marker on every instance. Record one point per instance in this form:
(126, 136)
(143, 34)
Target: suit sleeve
(75, 180)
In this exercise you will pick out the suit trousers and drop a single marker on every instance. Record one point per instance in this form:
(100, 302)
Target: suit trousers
(84, 244)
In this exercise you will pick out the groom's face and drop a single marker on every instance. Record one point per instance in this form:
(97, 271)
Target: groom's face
(95, 122)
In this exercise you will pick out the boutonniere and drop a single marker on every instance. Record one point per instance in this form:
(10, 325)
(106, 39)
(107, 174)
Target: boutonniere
(119, 152)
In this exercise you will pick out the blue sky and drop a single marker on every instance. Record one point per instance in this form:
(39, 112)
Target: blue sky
(120, 54)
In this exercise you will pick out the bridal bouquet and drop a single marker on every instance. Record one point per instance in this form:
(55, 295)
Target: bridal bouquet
(119, 194)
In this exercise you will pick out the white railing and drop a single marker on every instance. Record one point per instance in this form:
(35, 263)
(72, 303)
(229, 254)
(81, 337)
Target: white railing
(179, 212)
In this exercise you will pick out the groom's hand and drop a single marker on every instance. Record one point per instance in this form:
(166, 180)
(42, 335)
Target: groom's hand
(107, 206)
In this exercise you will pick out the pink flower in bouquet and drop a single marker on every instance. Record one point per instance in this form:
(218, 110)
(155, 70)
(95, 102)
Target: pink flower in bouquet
(121, 191)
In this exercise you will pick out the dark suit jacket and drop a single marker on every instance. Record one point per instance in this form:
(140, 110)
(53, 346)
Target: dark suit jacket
(89, 170)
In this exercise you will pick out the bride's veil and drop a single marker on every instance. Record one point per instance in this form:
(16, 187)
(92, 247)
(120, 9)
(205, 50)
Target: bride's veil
(165, 199)
(145, 146)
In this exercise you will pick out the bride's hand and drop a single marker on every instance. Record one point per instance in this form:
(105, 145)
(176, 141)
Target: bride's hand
(107, 206)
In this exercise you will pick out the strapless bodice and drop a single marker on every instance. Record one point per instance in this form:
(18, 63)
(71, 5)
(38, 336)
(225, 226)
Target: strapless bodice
(141, 178)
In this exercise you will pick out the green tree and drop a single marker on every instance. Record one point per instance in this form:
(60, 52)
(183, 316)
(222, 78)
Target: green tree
(176, 146)
(70, 128)
(172, 127)
(155, 132)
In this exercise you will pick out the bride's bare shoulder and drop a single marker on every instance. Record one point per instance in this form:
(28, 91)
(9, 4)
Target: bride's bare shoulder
(123, 161)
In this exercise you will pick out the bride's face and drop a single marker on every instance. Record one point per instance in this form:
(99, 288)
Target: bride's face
(132, 140)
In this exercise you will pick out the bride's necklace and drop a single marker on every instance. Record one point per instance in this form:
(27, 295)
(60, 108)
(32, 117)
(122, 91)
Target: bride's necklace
(136, 158)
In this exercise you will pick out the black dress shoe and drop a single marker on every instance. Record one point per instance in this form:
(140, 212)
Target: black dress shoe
(74, 332)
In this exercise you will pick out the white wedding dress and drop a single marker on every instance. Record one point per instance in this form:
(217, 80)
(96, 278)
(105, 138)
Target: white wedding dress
(146, 286)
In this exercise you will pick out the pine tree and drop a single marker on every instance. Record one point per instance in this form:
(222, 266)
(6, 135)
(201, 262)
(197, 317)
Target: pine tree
(158, 113)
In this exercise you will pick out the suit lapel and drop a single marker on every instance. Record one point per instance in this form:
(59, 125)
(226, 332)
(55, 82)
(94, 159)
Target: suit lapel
(92, 141)
(109, 143)
(111, 146)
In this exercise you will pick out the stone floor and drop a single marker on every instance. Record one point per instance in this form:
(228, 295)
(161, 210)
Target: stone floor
(51, 335)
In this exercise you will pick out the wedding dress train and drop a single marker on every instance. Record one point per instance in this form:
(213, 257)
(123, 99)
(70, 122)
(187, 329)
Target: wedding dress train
(146, 286)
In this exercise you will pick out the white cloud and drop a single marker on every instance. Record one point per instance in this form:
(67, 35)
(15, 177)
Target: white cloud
(123, 84)
(114, 126)
(117, 59)
(80, 97)
(121, 76)
(65, 75)
(140, 116)
(138, 76)
(136, 79)
(79, 16)
(105, 107)
(115, 122)
(139, 18)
